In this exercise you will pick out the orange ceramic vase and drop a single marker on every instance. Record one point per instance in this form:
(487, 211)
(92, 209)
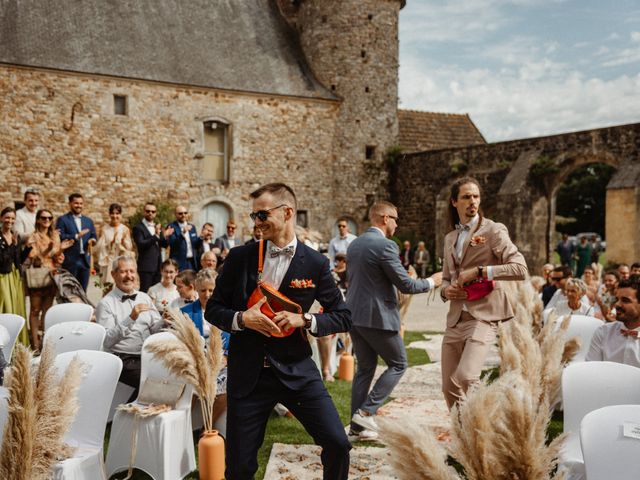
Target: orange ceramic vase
(211, 456)
(346, 367)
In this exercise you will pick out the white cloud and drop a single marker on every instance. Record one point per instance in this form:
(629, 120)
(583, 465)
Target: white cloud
(503, 106)
(635, 37)
(625, 56)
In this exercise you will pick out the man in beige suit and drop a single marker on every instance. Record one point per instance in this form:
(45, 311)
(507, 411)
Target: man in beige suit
(476, 248)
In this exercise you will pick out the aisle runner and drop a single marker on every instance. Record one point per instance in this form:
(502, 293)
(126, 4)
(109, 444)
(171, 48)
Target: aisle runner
(418, 394)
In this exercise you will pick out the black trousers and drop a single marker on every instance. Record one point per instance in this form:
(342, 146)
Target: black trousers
(148, 279)
(130, 374)
(247, 421)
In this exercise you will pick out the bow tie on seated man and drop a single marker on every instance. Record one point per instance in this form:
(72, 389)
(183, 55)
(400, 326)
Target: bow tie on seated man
(129, 317)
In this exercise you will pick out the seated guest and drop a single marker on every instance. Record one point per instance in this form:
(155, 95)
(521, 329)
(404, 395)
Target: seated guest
(205, 284)
(129, 317)
(577, 303)
(619, 341)
(209, 260)
(560, 275)
(186, 286)
(537, 283)
(607, 295)
(165, 291)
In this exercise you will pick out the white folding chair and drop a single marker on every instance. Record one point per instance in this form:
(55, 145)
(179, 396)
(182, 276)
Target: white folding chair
(72, 336)
(67, 312)
(583, 327)
(87, 430)
(14, 325)
(121, 395)
(164, 442)
(607, 452)
(587, 386)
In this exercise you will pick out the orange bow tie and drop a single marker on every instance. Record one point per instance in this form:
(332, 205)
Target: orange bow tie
(629, 333)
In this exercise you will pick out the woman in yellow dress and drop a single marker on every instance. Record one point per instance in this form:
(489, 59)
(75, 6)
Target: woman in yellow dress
(11, 256)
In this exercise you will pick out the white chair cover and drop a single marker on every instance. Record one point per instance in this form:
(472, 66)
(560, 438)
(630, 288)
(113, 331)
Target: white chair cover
(122, 395)
(583, 327)
(587, 386)
(87, 431)
(4, 411)
(14, 324)
(72, 336)
(165, 442)
(67, 312)
(607, 453)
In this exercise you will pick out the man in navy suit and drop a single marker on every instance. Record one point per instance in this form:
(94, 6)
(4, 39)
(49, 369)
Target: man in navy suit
(265, 369)
(79, 228)
(149, 241)
(182, 238)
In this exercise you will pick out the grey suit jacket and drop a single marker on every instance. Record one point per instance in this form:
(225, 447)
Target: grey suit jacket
(374, 271)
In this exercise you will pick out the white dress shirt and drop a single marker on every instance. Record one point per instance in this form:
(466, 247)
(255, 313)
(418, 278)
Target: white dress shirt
(609, 344)
(77, 219)
(187, 238)
(150, 226)
(125, 335)
(25, 223)
(339, 244)
(273, 272)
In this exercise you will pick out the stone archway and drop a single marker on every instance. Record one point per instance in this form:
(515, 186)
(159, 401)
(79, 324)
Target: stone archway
(527, 197)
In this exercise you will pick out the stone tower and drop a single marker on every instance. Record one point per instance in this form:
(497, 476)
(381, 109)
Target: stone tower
(352, 47)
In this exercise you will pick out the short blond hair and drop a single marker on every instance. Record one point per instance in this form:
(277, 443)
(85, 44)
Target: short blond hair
(380, 208)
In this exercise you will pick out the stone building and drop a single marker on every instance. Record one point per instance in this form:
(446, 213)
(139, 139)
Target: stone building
(199, 102)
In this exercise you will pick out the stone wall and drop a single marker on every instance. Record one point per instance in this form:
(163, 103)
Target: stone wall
(527, 207)
(153, 151)
(352, 47)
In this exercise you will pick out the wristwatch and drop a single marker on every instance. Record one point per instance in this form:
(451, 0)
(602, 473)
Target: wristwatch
(307, 317)
(480, 271)
(240, 321)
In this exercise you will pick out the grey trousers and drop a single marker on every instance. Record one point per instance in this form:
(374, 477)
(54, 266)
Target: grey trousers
(368, 344)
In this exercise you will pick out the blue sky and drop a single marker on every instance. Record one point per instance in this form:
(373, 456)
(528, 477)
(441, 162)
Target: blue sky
(523, 68)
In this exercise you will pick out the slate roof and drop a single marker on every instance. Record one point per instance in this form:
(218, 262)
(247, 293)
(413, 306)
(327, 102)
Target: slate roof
(238, 45)
(422, 131)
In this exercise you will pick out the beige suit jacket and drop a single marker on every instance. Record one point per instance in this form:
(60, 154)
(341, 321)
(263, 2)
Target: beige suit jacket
(497, 251)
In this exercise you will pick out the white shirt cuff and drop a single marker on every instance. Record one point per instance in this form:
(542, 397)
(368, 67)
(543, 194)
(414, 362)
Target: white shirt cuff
(234, 324)
(314, 325)
(431, 284)
(489, 272)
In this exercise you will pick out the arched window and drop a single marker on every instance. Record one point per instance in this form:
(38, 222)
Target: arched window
(216, 213)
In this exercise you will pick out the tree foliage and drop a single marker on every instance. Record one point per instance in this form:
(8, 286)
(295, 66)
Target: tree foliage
(582, 197)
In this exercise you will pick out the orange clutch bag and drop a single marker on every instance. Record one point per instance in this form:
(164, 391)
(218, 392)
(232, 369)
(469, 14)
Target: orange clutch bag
(276, 301)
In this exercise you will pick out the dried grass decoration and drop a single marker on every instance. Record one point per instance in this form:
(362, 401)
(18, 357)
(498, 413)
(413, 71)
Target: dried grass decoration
(499, 430)
(186, 358)
(41, 408)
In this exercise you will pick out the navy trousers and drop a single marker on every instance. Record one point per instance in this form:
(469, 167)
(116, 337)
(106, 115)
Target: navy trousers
(247, 421)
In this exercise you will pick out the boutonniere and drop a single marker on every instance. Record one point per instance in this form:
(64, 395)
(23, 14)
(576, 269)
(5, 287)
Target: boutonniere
(302, 283)
(478, 240)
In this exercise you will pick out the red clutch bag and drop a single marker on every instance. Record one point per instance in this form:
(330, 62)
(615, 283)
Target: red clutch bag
(276, 301)
(479, 289)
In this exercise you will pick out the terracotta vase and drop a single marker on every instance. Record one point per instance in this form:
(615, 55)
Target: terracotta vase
(346, 367)
(211, 456)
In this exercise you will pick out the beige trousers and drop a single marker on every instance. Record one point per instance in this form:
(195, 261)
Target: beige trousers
(464, 349)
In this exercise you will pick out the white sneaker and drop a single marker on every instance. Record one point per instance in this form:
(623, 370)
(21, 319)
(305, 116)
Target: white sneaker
(365, 421)
(362, 436)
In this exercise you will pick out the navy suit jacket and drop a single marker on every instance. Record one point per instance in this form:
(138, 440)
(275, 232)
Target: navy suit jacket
(290, 357)
(149, 255)
(178, 245)
(68, 230)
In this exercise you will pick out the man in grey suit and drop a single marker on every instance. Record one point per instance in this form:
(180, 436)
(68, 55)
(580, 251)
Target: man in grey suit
(375, 272)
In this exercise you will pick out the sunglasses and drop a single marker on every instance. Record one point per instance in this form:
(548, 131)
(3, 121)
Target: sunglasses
(46, 218)
(151, 211)
(231, 228)
(556, 279)
(262, 215)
